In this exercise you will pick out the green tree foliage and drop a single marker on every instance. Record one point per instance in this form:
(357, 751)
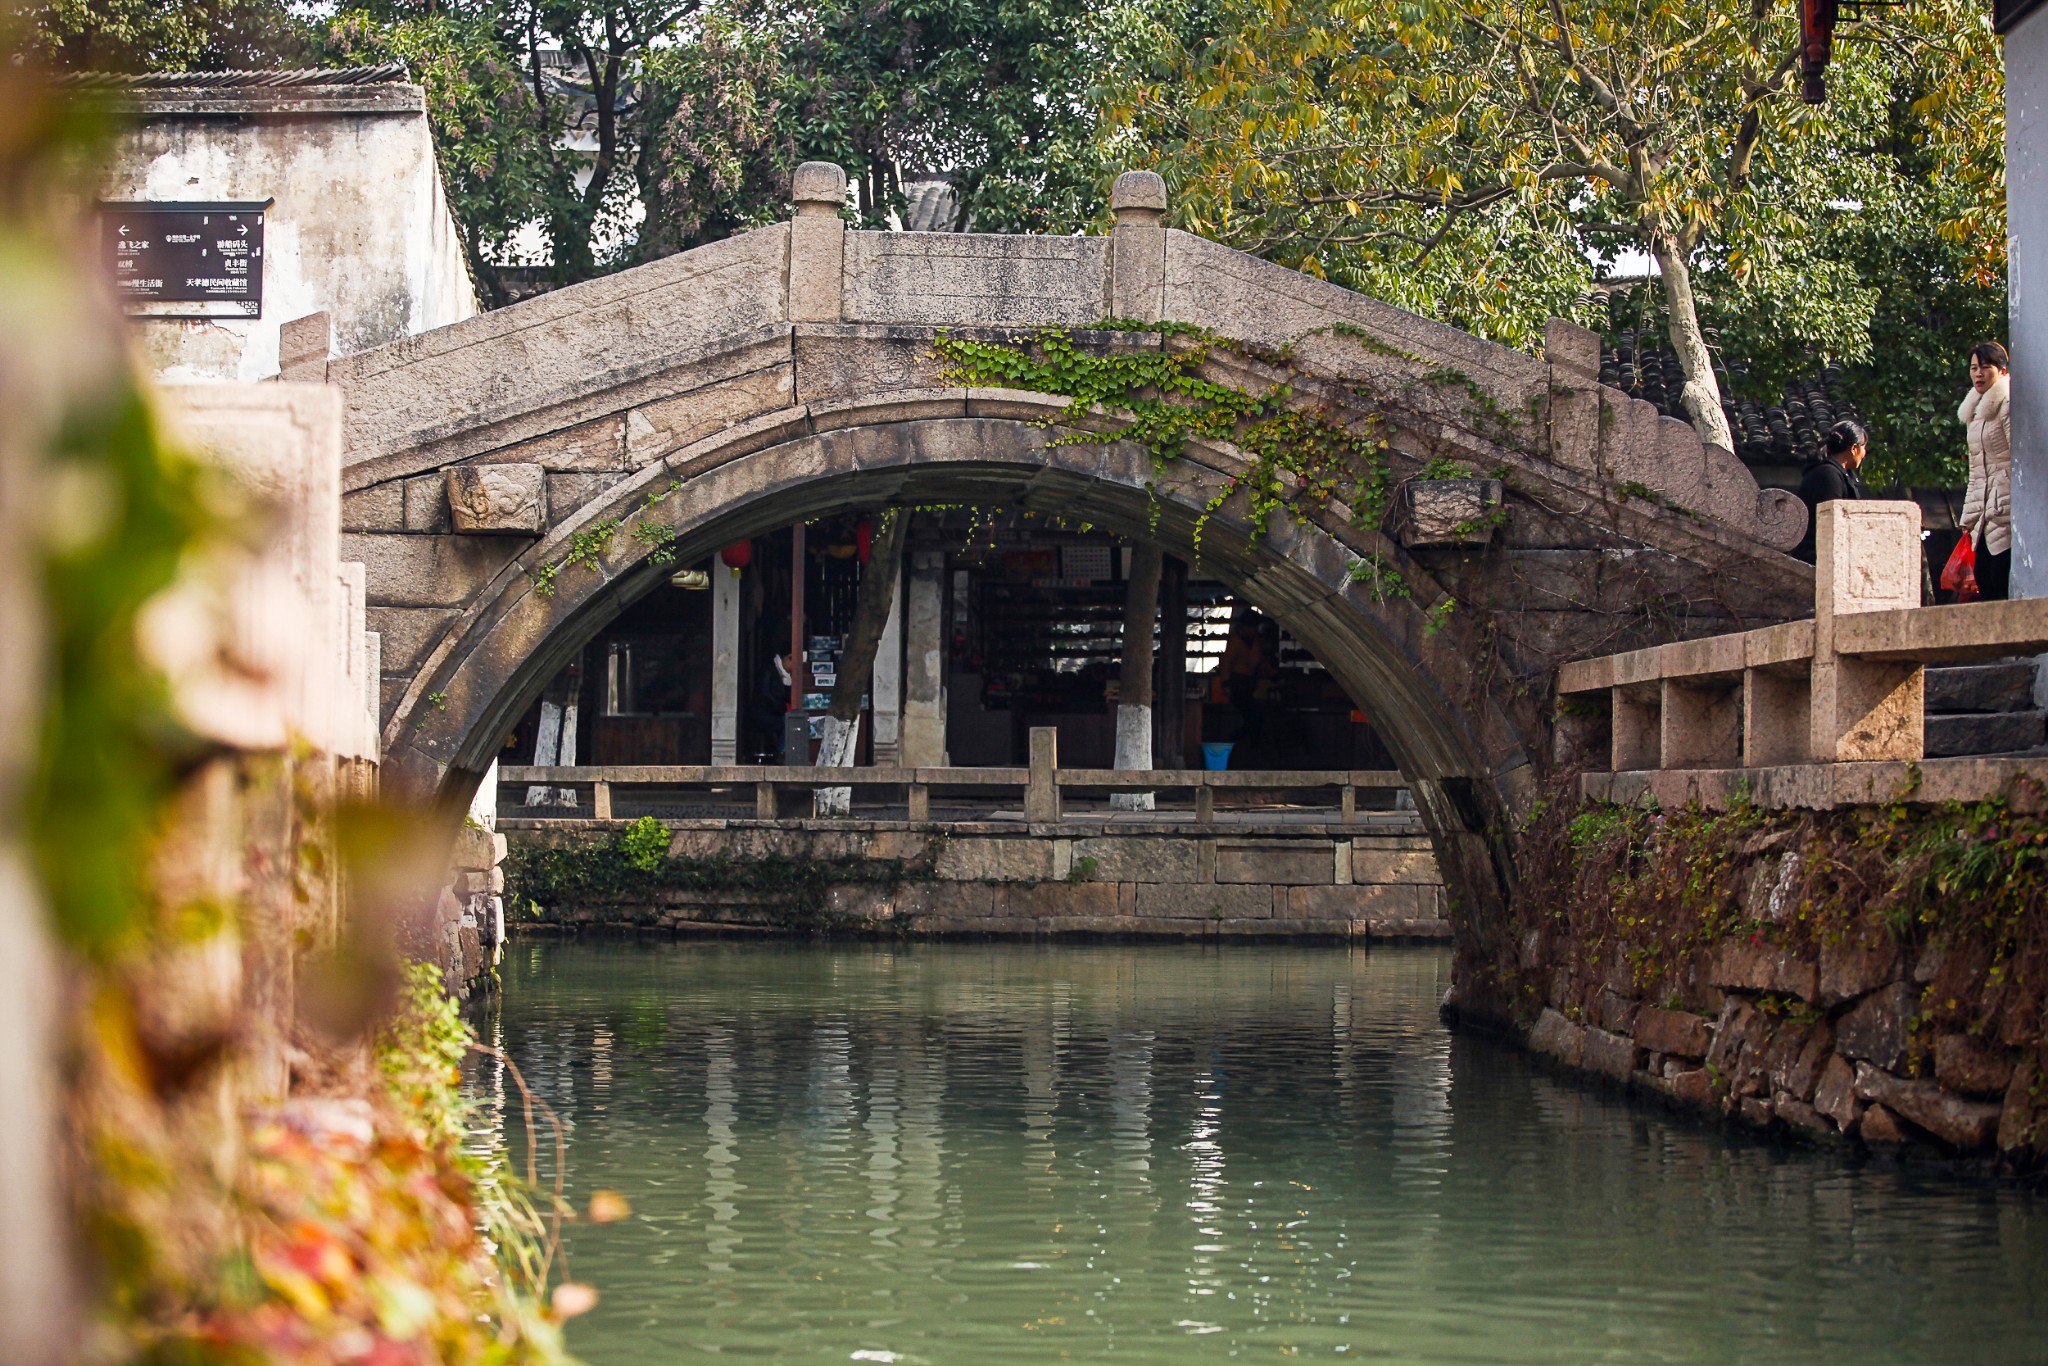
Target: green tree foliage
(995, 95)
(688, 119)
(1464, 157)
(543, 112)
(139, 35)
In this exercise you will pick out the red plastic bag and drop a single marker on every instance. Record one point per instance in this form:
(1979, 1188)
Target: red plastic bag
(1959, 575)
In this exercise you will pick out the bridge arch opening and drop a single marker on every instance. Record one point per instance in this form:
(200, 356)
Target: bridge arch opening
(1460, 743)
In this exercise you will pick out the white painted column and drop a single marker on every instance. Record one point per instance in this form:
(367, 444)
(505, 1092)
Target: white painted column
(546, 745)
(725, 664)
(886, 691)
(924, 658)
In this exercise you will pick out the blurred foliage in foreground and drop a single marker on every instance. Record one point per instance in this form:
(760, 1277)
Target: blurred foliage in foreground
(254, 1184)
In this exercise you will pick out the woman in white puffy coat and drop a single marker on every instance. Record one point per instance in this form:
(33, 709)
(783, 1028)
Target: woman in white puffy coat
(1987, 504)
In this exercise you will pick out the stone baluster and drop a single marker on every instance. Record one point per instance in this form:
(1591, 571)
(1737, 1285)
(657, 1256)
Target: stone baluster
(1869, 561)
(1137, 247)
(817, 242)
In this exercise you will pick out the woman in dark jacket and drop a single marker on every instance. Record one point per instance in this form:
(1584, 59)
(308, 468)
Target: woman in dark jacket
(1832, 477)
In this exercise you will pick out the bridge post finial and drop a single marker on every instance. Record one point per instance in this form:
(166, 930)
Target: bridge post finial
(817, 242)
(1137, 247)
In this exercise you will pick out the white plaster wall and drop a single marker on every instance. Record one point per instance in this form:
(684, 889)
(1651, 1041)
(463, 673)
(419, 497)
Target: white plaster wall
(360, 229)
(2026, 190)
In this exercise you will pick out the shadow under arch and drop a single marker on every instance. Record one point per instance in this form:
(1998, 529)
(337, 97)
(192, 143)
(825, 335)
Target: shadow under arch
(1462, 740)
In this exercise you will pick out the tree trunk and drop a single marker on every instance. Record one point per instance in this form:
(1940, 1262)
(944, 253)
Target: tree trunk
(1702, 390)
(841, 731)
(1134, 689)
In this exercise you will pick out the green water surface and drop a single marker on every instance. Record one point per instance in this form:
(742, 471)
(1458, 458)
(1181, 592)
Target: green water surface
(989, 1154)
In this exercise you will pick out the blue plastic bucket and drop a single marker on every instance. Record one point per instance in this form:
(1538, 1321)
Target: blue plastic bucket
(1216, 758)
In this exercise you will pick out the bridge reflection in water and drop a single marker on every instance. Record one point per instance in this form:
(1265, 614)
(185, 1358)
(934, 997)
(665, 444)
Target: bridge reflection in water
(976, 1153)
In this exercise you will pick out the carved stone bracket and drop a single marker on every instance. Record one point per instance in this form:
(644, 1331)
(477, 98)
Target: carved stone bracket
(498, 500)
(1441, 512)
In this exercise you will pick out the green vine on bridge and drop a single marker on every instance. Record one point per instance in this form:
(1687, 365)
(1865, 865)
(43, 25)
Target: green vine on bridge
(1294, 455)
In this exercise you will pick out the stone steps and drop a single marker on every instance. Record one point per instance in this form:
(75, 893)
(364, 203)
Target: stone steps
(1977, 709)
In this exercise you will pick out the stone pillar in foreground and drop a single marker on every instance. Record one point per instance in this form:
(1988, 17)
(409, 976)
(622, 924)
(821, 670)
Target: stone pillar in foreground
(1868, 561)
(1137, 247)
(1134, 696)
(924, 659)
(886, 692)
(817, 242)
(725, 664)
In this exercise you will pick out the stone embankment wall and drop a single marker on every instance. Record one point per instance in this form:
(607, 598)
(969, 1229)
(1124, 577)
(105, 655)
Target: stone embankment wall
(1076, 878)
(1873, 977)
(469, 917)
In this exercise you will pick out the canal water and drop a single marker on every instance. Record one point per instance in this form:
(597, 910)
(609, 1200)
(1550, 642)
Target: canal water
(986, 1154)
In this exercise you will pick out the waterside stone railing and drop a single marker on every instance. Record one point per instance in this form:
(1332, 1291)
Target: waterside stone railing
(1808, 713)
(1342, 873)
(1040, 783)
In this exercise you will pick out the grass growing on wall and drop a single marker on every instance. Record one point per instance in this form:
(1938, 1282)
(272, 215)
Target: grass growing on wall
(633, 869)
(1645, 897)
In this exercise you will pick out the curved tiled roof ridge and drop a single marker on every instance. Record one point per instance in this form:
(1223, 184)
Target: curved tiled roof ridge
(387, 73)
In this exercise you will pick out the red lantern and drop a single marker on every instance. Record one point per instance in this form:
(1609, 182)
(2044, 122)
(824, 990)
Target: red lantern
(864, 538)
(738, 555)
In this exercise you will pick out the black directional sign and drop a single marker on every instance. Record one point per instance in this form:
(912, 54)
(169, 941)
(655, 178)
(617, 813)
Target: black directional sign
(206, 260)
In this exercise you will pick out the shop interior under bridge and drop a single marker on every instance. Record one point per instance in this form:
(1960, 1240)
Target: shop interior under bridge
(733, 660)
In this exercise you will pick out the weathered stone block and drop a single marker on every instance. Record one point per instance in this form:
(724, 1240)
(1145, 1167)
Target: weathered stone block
(1194, 900)
(1052, 900)
(908, 277)
(1376, 906)
(1875, 1031)
(1797, 1067)
(426, 505)
(849, 361)
(1989, 733)
(655, 429)
(935, 901)
(542, 353)
(1835, 1094)
(598, 445)
(427, 571)
(1743, 966)
(1392, 865)
(568, 493)
(1882, 1128)
(1559, 1037)
(1693, 1087)
(497, 499)
(1273, 863)
(1448, 512)
(1614, 1056)
(2021, 1119)
(996, 860)
(1618, 1012)
(1852, 968)
(1140, 860)
(407, 634)
(1966, 1125)
(1978, 688)
(381, 507)
(1971, 1067)
(474, 849)
(1799, 1115)
(1739, 1037)
(1674, 1031)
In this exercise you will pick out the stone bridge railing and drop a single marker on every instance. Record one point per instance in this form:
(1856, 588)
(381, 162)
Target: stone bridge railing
(1040, 785)
(1317, 873)
(1807, 713)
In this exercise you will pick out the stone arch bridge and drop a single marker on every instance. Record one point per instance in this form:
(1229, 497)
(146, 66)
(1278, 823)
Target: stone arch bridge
(790, 371)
